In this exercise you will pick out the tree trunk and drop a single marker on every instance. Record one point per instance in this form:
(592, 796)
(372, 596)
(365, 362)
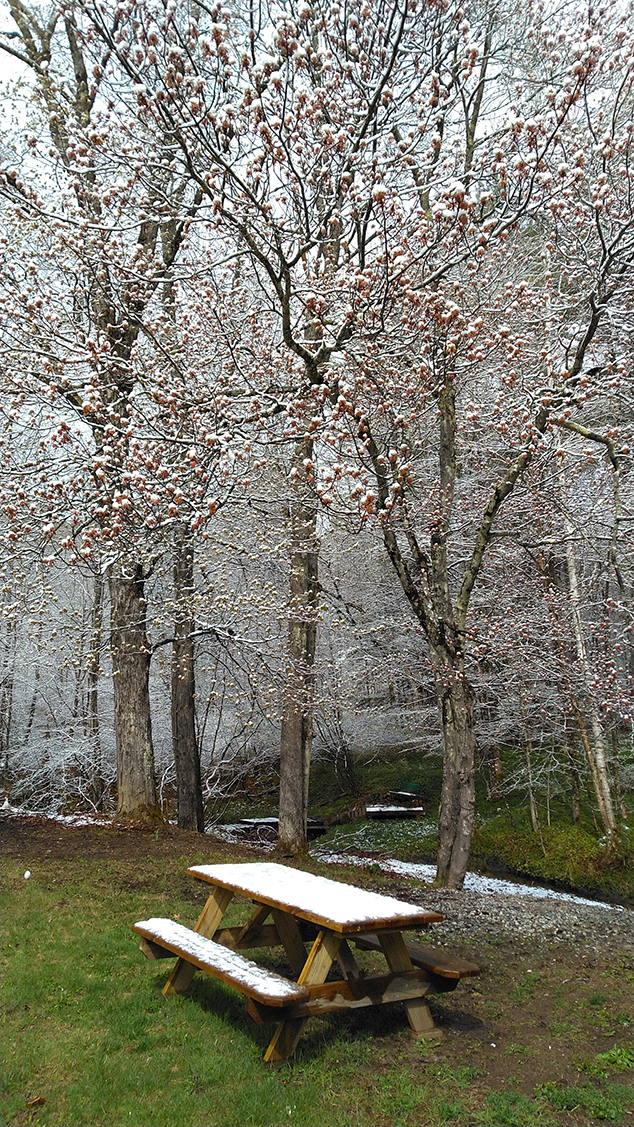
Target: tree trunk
(136, 785)
(297, 720)
(596, 750)
(92, 695)
(6, 692)
(575, 789)
(184, 742)
(618, 793)
(457, 807)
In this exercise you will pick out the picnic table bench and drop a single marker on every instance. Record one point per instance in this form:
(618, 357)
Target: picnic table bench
(304, 909)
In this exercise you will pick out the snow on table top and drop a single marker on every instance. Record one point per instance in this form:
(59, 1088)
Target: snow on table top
(340, 907)
(247, 975)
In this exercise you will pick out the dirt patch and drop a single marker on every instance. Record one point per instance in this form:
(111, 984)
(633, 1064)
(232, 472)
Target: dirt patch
(42, 838)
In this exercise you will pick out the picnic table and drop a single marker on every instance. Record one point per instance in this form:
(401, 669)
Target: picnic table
(294, 909)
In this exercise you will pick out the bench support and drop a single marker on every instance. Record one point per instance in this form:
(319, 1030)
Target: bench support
(211, 915)
(349, 994)
(422, 1025)
(289, 934)
(318, 963)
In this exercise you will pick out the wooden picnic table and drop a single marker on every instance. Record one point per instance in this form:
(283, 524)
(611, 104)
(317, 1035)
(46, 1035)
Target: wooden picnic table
(305, 909)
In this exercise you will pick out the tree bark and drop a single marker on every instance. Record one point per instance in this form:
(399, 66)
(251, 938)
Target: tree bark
(457, 805)
(6, 692)
(184, 742)
(297, 719)
(575, 789)
(596, 750)
(92, 695)
(136, 784)
(618, 793)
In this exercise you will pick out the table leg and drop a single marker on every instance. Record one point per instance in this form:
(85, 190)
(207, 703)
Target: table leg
(421, 1022)
(207, 924)
(315, 971)
(250, 929)
(288, 929)
(347, 961)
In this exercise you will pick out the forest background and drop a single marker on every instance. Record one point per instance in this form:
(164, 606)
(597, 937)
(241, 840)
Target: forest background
(316, 402)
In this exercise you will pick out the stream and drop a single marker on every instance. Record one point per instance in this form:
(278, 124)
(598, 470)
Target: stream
(474, 882)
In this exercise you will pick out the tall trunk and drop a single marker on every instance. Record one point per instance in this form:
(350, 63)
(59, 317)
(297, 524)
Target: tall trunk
(595, 751)
(31, 713)
(495, 769)
(184, 742)
(136, 785)
(6, 692)
(575, 789)
(91, 718)
(528, 752)
(586, 744)
(618, 793)
(92, 695)
(578, 707)
(457, 806)
(532, 805)
(297, 719)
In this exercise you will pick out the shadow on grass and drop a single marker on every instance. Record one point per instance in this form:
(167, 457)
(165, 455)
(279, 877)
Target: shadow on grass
(366, 1023)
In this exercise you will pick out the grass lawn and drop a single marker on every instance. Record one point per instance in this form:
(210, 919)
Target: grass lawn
(88, 1038)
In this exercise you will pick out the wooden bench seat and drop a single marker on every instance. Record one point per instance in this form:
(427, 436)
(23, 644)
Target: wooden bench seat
(249, 978)
(445, 969)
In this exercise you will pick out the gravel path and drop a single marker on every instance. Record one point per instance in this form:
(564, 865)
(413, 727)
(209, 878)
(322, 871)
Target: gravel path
(600, 929)
(505, 910)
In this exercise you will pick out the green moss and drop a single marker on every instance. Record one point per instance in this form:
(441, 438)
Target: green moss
(571, 856)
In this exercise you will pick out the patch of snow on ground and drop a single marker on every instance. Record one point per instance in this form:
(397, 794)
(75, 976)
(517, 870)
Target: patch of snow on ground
(488, 886)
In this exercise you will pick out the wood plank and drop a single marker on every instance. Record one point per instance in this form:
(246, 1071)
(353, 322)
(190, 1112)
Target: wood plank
(333, 905)
(284, 1041)
(249, 978)
(153, 951)
(421, 1022)
(207, 924)
(318, 963)
(437, 962)
(253, 926)
(293, 944)
(347, 961)
(321, 957)
(347, 994)
(266, 936)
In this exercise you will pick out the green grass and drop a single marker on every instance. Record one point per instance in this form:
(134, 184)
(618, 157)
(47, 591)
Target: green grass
(86, 1029)
(609, 1105)
(408, 840)
(618, 1059)
(511, 1108)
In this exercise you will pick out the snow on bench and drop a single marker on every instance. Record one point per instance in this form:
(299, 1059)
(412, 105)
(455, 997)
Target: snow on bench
(328, 903)
(255, 981)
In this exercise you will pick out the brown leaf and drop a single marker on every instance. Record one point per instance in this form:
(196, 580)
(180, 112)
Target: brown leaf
(37, 1101)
